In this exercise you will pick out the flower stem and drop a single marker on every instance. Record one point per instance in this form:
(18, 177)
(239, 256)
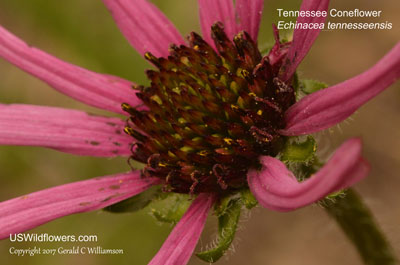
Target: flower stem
(360, 226)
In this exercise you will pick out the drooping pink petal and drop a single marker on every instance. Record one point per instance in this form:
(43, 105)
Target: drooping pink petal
(98, 90)
(29, 211)
(303, 39)
(65, 130)
(276, 188)
(212, 11)
(180, 244)
(249, 15)
(146, 28)
(329, 106)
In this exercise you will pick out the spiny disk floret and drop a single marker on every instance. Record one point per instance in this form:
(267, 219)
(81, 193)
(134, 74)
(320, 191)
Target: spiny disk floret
(209, 115)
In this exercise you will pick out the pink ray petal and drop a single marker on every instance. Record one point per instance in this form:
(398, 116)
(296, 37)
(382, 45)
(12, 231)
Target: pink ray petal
(276, 188)
(212, 11)
(303, 39)
(249, 14)
(332, 105)
(180, 244)
(146, 28)
(29, 211)
(65, 130)
(98, 90)
(279, 51)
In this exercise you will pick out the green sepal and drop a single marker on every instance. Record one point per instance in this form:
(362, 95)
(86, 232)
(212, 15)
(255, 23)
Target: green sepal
(334, 196)
(309, 86)
(222, 206)
(304, 170)
(137, 202)
(171, 208)
(248, 199)
(296, 150)
(227, 225)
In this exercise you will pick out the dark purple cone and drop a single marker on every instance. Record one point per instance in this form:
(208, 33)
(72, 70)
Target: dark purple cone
(211, 114)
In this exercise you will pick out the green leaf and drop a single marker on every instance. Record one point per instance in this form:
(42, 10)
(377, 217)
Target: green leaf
(309, 86)
(227, 225)
(248, 198)
(171, 209)
(296, 150)
(137, 202)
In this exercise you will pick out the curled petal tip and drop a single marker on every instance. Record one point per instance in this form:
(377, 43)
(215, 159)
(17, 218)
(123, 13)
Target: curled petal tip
(276, 188)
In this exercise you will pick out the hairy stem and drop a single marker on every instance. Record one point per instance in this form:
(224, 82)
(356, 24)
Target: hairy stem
(360, 226)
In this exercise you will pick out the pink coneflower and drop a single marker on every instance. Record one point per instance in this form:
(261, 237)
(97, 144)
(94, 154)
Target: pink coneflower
(212, 123)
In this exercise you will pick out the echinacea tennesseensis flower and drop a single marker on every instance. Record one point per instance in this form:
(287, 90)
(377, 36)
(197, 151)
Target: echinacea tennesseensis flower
(212, 123)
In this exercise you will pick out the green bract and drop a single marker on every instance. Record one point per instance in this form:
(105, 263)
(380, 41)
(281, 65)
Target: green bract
(248, 199)
(309, 86)
(137, 202)
(298, 150)
(229, 210)
(171, 209)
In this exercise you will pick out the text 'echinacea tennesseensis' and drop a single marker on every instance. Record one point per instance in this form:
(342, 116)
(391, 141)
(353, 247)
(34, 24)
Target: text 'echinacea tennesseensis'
(220, 121)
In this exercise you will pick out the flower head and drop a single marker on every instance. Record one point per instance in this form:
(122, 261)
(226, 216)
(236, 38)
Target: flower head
(213, 122)
(210, 114)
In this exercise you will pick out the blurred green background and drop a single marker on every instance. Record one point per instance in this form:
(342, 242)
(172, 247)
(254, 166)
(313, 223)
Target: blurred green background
(82, 32)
